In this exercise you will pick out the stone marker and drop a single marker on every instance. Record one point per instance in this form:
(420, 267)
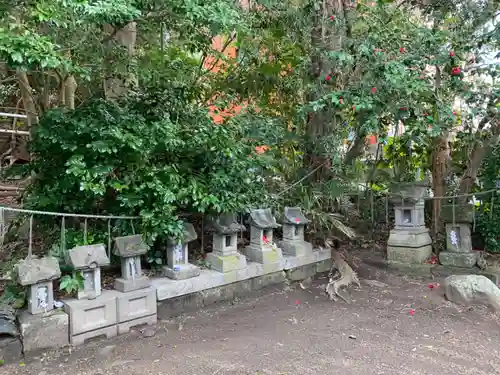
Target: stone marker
(130, 249)
(293, 242)
(38, 274)
(262, 249)
(225, 256)
(472, 289)
(458, 220)
(89, 259)
(178, 267)
(409, 241)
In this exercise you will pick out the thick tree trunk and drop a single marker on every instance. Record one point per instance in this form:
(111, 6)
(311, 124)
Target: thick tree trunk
(440, 163)
(120, 78)
(70, 86)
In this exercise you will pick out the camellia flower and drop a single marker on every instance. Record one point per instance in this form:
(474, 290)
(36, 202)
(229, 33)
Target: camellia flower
(264, 239)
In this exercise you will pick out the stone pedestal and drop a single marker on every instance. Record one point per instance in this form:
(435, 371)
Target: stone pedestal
(458, 237)
(88, 260)
(136, 308)
(409, 241)
(44, 331)
(293, 243)
(38, 274)
(92, 318)
(130, 249)
(178, 267)
(262, 249)
(225, 256)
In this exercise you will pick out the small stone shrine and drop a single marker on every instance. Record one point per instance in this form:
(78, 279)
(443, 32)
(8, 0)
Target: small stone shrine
(130, 249)
(262, 249)
(89, 259)
(293, 243)
(178, 267)
(225, 257)
(38, 274)
(409, 241)
(458, 236)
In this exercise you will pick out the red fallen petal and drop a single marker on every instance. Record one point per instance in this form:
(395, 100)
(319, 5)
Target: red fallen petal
(412, 312)
(430, 286)
(297, 302)
(297, 220)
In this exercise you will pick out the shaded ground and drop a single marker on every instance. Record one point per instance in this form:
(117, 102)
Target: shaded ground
(298, 332)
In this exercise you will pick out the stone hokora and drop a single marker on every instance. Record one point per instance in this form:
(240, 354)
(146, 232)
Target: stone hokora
(38, 275)
(225, 256)
(89, 259)
(262, 248)
(178, 267)
(293, 242)
(130, 249)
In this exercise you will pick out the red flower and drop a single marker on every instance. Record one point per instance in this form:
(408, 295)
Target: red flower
(455, 71)
(341, 100)
(452, 53)
(412, 312)
(430, 286)
(426, 114)
(402, 50)
(332, 17)
(454, 113)
(297, 302)
(403, 109)
(354, 108)
(328, 77)
(297, 220)
(264, 239)
(374, 90)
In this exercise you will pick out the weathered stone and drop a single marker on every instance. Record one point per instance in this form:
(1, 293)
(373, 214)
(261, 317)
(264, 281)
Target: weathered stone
(410, 216)
(462, 242)
(11, 349)
(49, 330)
(40, 297)
(92, 318)
(409, 238)
(465, 260)
(136, 304)
(463, 213)
(89, 259)
(412, 255)
(130, 246)
(178, 267)
(472, 289)
(225, 256)
(262, 249)
(293, 243)
(32, 271)
(408, 193)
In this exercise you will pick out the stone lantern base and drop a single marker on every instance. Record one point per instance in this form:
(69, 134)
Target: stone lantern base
(181, 271)
(226, 263)
(411, 246)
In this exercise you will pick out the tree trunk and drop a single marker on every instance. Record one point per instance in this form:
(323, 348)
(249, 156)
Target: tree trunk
(28, 100)
(120, 78)
(440, 159)
(70, 86)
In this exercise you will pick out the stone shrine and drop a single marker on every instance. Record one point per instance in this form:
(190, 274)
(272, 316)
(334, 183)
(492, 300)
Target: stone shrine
(130, 249)
(409, 241)
(293, 243)
(458, 236)
(89, 259)
(262, 249)
(178, 267)
(225, 256)
(38, 274)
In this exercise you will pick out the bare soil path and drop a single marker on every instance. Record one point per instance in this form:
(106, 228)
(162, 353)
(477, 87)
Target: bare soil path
(395, 325)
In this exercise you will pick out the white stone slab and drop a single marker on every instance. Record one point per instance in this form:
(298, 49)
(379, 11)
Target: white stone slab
(136, 304)
(166, 288)
(317, 255)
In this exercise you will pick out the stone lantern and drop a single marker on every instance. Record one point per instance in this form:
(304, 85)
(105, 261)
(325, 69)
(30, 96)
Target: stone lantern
(130, 249)
(89, 259)
(225, 256)
(178, 267)
(409, 241)
(294, 223)
(38, 274)
(262, 249)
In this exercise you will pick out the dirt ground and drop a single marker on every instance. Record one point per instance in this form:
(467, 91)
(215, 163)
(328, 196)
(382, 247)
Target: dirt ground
(394, 325)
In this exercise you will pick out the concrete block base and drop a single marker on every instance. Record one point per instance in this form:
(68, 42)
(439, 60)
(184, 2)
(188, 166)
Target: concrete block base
(263, 255)
(226, 263)
(136, 304)
(182, 272)
(296, 248)
(463, 260)
(44, 331)
(415, 238)
(124, 286)
(409, 255)
(315, 256)
(90, 316)
(125, 327)
(80, 339)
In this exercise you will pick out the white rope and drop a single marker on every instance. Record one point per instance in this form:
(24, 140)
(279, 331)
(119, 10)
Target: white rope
(63, 214)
